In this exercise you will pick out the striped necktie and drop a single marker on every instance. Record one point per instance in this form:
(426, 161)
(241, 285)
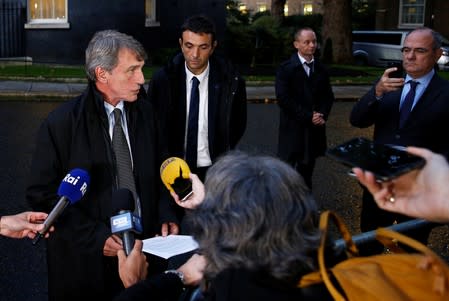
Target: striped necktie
(123, 159)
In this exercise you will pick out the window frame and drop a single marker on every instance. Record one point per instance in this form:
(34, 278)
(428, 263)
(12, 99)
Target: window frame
(47, 23)
(402, 24)
(153, 20)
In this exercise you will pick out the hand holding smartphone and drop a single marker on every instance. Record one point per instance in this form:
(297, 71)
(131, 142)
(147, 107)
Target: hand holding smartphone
(386, 162)
(399, 73)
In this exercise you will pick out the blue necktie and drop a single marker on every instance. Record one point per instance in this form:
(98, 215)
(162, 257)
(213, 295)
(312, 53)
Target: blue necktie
(192, 128)
(407, 103)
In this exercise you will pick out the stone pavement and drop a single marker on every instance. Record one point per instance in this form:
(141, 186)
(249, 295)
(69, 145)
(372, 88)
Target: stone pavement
(37, 90)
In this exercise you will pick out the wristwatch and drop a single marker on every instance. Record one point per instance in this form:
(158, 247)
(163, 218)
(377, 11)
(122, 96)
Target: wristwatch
(177, 273)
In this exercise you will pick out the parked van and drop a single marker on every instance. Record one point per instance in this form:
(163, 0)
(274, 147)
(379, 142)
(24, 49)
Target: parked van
(380, 48)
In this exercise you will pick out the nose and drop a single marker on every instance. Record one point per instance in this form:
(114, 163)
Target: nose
(196, 52)
(409, 55)
(140, 78)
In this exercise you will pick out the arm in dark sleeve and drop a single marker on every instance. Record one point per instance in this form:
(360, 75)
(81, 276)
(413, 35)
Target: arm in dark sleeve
(287, 99)
(327, 97)
(169, 211)
(47, 172)
(159, 287)
(364, 112)
(238, 113)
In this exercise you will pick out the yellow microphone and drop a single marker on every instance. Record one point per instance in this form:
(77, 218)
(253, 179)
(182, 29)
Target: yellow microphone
(175, 174)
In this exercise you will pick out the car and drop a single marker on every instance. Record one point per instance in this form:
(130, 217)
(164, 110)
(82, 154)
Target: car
(382, 48)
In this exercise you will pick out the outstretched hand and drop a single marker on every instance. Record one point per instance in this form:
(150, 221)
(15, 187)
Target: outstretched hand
(195, 198)
(420, 193)
(25, 224)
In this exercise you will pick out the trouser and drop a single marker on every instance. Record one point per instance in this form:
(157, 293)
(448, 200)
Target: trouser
(306, 171)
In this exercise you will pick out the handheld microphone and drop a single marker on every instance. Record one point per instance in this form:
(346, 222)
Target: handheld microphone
(71, 190)
(125, 222)
(175, 174)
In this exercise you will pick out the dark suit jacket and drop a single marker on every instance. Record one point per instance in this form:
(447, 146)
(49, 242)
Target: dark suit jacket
(75, 135)
(227, 105)
(298, 96)
(426, 125)
(229, 285)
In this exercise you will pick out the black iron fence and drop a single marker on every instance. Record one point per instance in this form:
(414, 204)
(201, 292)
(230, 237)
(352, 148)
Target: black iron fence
(12, 20)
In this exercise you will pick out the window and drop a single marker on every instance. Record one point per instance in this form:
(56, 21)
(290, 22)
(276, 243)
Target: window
(261, 6)
(47, 14)
(411, 13)
(151, 17)
(308, 9)
(378, 38)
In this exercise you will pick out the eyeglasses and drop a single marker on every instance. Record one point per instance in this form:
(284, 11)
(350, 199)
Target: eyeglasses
(407, 50)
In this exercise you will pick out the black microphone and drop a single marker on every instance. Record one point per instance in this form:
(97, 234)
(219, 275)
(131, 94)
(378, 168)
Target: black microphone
(125, 222)
(71, 190)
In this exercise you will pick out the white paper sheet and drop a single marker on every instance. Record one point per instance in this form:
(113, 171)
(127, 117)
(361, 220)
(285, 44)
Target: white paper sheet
(170, 245)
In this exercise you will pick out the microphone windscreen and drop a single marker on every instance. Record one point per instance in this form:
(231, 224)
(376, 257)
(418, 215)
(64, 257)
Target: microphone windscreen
(175, 174)
(74, 185)
(122, 199)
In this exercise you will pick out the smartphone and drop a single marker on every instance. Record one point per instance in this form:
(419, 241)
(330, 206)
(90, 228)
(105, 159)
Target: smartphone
(385, 161)
(183, 188)
(399, 73)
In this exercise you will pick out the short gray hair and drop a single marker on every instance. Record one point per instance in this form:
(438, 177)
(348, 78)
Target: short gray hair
(104, 47)
(257, 215)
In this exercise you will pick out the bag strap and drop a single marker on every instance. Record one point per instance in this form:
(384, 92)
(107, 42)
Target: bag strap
(350, 247)
(383, 234)
(325, 217)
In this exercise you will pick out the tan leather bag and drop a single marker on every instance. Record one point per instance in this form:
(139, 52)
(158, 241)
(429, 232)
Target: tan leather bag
(394, 276)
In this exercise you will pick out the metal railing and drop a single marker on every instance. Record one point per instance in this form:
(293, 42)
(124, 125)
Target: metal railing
(12, 19)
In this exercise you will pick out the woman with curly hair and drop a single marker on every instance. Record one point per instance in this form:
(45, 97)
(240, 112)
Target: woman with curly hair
(256, 225)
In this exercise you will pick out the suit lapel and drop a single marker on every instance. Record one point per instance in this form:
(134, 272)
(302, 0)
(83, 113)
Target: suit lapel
(428, 97)
(181, 102)
(213, 94)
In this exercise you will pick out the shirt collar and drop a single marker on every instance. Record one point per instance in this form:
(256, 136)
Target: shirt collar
(200, 77)
(109, 108)
(303, 60)
(423, 80)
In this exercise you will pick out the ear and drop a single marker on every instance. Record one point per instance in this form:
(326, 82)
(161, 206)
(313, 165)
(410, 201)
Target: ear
(180, 42)
(296, 44)
(438, 54)
(101, 74)
(214, 45)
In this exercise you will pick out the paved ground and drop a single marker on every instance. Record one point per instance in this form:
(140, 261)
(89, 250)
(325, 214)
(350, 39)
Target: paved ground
(23, 266)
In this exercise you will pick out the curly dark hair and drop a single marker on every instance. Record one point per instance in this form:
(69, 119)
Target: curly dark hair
(258, 215)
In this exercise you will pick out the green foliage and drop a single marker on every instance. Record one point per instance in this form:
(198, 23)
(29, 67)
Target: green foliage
(363, 14)
(263, 41)
(49, 72)
(257, 39)
(340, 74)
(259, 14)
(234, 15)
(162, 55)
(42, 71)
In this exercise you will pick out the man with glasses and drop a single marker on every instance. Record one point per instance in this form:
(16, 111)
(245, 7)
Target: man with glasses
(408, 111)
